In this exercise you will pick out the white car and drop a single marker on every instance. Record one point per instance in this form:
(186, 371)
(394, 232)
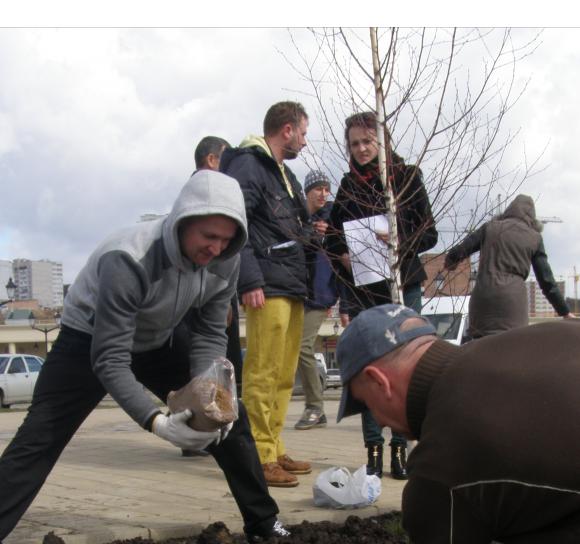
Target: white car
(449, 315)
(333, 378)
(18, 374)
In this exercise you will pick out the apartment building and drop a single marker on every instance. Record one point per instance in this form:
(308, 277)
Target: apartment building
(537, 303)
(40, 280)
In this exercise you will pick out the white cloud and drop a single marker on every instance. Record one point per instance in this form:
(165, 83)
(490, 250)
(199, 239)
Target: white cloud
(98, 125)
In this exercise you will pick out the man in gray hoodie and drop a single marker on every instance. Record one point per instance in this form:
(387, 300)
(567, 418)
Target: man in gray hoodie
(116, 337)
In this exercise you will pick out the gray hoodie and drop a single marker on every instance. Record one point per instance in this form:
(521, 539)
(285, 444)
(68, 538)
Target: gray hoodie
(137, 286)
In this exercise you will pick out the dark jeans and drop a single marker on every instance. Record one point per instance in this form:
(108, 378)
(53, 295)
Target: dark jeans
(372, 432)
(66, 393)
(234, 349)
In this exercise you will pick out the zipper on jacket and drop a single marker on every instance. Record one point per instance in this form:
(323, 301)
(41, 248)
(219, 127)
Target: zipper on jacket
(174, 309)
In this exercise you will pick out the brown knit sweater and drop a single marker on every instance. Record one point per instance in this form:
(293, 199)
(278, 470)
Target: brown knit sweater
(498, 423)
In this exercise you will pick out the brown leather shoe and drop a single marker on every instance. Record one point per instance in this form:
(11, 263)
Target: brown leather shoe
(276, 476)
(294, 467)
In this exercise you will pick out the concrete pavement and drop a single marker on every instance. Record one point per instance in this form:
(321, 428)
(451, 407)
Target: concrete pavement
(117, 481)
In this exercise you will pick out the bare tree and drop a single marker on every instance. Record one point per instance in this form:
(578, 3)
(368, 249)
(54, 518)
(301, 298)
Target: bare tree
(442, 97)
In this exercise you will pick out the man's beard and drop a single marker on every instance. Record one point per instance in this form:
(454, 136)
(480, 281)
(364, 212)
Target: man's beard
(290, 154)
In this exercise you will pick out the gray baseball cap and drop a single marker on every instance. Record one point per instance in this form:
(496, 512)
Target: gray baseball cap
(372, 334)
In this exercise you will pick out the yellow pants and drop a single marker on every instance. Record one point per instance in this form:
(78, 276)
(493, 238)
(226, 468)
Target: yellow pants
(273, 335)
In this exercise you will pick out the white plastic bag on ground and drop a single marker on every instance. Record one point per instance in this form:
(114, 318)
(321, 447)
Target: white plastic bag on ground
(336, 487)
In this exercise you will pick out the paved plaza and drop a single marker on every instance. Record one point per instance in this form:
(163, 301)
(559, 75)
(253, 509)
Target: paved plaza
(115, 481)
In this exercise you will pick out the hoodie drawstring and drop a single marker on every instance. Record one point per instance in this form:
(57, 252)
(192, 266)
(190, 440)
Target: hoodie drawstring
(175, 309)
(202, 286)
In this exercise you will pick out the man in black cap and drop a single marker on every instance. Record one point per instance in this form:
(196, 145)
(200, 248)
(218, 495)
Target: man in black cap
(488, 416)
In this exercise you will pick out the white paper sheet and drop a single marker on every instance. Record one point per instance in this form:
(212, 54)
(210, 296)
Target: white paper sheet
(368, 255)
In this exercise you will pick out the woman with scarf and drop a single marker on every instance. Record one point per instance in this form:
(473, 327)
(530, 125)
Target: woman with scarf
(361, 195)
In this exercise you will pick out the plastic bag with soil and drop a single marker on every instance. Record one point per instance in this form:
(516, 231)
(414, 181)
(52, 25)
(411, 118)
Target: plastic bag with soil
(211, 397)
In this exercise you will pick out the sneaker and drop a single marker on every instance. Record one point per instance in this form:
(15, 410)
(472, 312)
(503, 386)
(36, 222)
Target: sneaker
(277, 530)
(276, 476)
(294, 467)
(312, 417)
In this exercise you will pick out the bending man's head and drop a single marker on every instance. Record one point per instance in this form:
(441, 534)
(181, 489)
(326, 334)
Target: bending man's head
(377, 353)
(207, 221)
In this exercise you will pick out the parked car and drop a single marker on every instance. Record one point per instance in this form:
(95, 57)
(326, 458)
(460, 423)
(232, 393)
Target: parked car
(333, 378)
(449, 316)
(18, 374)
(322, 374)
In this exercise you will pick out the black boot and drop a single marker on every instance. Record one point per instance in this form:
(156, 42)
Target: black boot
(399, 462)
(375, 460)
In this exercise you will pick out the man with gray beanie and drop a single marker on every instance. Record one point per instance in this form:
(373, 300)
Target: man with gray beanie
(488, 415)
(322, 295)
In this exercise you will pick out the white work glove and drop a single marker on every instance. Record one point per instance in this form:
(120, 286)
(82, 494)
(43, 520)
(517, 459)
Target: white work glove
(224, 431)
(174, 429)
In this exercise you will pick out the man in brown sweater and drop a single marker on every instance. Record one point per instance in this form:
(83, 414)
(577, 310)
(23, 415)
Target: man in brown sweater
(498, 424)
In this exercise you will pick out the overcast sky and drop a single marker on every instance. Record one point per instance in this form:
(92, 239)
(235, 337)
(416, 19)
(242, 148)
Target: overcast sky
(98, 126)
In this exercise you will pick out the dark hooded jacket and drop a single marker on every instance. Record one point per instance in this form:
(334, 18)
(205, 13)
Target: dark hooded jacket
(361, 195)
(278, 222)
(508, 245)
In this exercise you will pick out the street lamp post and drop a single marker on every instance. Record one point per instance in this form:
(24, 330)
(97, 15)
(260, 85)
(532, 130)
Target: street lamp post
(46, 328)
(10, 291)
(335, 328)
(331, 361)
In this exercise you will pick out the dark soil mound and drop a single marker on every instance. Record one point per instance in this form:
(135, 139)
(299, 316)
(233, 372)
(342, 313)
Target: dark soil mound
(384, 529)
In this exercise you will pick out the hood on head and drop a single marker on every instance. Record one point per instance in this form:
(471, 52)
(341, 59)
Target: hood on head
(206, 193)
(522, 207)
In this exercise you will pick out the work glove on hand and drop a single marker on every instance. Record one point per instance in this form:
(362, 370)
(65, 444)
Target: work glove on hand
(174, 429)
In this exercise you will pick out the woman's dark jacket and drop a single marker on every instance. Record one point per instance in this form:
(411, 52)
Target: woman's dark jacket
(508, 245)
(274, 219)
(361, 194)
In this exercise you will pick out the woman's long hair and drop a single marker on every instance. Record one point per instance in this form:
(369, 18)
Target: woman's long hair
(368, 120)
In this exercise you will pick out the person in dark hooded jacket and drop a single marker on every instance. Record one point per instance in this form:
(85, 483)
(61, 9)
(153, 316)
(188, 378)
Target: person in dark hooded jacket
(508, 244)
